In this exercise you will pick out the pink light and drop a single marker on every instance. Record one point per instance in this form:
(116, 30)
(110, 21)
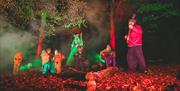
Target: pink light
(112, 33)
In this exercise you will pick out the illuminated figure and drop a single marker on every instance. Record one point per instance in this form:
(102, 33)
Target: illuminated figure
(77, 41)
(80, 60)
(58, 58)
(46, 61)
(18, 57)
(91, 83)
(74, 47)
(109, 56)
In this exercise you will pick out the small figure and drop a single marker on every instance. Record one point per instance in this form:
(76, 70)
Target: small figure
(46, 61)
(77, 41)
(18, 57)
(58, 58)
(109, 56)
(80, 60)
(91, 83)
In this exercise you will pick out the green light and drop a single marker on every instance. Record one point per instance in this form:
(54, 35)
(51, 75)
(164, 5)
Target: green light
(71, 56)
(74, 48)
(37, 63)
(98, 58)
(34, 63)
(27, 66)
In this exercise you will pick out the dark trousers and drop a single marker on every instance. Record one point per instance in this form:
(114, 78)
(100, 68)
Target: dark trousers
(135, 59)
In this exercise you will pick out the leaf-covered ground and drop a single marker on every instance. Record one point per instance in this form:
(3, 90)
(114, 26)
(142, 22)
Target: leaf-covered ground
(158, 78)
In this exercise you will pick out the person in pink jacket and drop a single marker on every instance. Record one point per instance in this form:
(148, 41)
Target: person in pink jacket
(135, 57)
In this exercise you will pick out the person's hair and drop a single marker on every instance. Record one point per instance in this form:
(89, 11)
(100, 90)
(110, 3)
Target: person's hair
(133, 18)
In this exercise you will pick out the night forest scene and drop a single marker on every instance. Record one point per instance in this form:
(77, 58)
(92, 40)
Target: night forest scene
(89, 45)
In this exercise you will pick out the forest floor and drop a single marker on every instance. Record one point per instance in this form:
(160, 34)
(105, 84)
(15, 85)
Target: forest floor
(159, 77)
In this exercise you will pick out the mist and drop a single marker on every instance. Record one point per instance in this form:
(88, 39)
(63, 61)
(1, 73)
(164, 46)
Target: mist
(95, 37)
(13, 40)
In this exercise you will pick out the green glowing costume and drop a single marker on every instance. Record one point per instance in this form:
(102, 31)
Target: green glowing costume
(74, 48)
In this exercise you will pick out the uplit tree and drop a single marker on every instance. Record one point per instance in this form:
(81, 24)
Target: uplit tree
(64, 14)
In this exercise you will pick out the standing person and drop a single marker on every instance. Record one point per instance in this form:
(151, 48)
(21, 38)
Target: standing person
(135, 57)
(58, 58)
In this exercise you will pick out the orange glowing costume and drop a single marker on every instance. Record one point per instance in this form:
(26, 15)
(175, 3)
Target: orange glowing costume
(18, 57)
(58, 58)
(45, 57)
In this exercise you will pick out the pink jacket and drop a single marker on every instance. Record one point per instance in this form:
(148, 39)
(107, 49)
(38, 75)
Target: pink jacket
(135, 36)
